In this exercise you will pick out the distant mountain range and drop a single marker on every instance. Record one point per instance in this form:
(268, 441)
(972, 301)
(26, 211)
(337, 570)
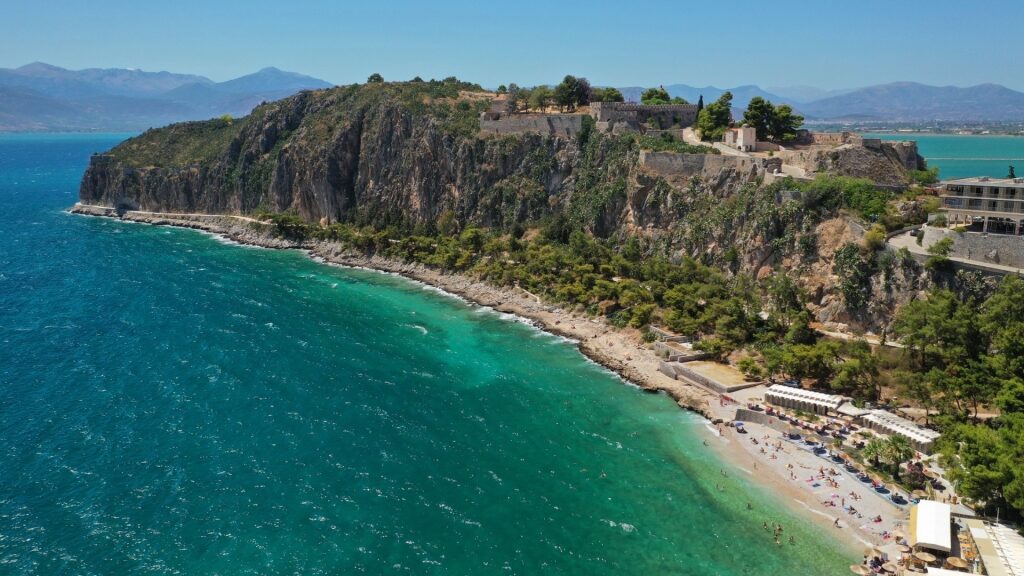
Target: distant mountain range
(896, 102)
(41, 97)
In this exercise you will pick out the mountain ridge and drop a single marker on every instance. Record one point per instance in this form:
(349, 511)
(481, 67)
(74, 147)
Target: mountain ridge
(43, 97)
(892, 102)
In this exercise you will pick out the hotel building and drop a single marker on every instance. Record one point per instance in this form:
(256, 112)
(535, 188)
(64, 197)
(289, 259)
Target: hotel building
(985, 204)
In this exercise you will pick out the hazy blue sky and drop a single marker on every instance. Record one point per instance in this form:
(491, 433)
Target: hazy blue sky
(826, 43)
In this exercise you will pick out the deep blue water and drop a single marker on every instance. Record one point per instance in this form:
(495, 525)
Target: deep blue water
(963, 156)
(172, 404)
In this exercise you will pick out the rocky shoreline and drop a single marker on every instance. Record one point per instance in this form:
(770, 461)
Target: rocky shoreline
(620, 350)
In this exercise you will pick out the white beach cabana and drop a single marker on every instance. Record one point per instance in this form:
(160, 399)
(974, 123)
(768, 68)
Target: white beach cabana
(800, 399)
(930, 526)
(887, 422)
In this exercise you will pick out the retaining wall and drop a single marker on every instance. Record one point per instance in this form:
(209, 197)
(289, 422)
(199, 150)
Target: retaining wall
(563, 125)
(688, 165)
(1002, 249)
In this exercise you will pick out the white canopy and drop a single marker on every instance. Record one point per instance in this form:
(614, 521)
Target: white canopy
(929, 525)
(802, 399)
(890, 423)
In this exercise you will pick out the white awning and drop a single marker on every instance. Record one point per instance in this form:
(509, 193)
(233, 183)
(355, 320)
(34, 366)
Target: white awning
(929, 525)
(848, 409)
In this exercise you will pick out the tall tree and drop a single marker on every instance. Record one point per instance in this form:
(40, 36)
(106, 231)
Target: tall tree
(608, 94)
(715, 118)
(655, 96)
(897, 451)
(759, 116)
(572, 92)
(785, 123)
(774, 123)
(540, 98)
(582, 92)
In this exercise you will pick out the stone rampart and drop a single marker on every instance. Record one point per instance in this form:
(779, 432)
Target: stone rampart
(564, 125)
(709, 165)
(831, 138)
(636, 115)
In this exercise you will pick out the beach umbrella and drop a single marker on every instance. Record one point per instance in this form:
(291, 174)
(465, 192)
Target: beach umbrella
(924, 557)
(860, 569)
(956, 562)
(903, 548)
(889, 567)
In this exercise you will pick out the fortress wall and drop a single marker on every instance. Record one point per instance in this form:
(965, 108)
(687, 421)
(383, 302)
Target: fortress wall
(563, 125)
(689, 165)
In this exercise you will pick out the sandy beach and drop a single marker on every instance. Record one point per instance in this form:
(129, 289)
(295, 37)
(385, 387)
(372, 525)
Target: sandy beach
(793, 470)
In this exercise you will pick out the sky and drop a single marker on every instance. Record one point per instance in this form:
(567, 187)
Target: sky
(832, 44)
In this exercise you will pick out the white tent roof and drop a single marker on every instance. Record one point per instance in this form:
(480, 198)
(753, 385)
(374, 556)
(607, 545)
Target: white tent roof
(848, 409)
(929, 525)
(897, 425)
(1001, 548)
(830, 401)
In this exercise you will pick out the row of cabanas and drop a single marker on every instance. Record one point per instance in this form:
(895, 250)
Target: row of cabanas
(920, 438)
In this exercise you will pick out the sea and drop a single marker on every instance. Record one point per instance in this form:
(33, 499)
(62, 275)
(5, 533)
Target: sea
(964, 156)
(171, 403)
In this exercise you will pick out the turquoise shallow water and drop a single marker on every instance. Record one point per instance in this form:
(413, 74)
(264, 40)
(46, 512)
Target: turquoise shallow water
(965, 156)
(171, 404)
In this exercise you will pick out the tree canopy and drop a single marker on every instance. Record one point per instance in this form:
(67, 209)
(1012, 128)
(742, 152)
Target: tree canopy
(572, 92)
(772, 123)
(375, 78)
(607, 95)
(715, 118)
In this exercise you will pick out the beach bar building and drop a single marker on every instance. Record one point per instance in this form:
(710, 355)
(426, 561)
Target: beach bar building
(920, 438)
(800, 399)
(999, 547)
(930, 526)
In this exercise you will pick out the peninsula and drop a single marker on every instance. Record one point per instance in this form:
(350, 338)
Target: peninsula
(652, 233)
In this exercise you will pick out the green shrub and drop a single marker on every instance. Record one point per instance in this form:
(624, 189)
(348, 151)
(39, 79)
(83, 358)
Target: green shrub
(874, 239)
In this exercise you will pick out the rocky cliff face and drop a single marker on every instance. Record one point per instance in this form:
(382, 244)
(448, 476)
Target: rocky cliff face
(339, 154)
(885, 163)
(410, 155)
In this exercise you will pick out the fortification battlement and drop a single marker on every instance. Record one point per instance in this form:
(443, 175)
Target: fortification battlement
(684, 114)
